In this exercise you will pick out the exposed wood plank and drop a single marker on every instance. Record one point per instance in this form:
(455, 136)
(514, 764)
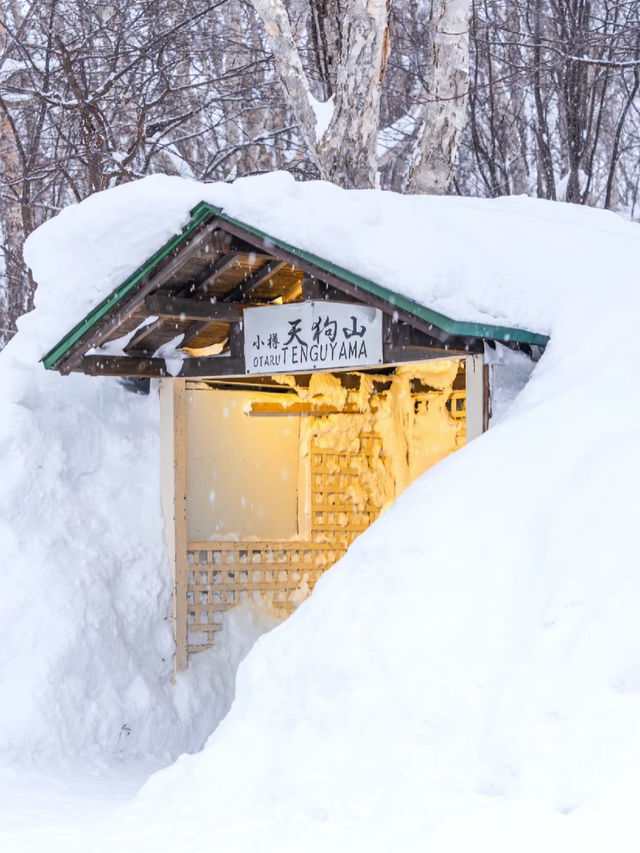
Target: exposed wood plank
(401, 354)
(181, 538)
(212, 366)
(174, 494)
(236, 340)
(179, 308)
(193, 331)
(312, 288)
(304, 407)
(223, 366)
(122, 365)
(251, 383)
(142, 334)
(205, 366)
(244, 289)
(241, 291)
(128, 304)
(211, 271)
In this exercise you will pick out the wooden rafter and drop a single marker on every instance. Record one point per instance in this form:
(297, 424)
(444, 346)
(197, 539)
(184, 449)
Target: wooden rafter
(129, 303)
(240, 291)
(252, 282)
(178, 308)
(210, 273)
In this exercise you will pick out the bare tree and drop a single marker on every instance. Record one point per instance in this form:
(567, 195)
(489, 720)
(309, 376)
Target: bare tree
(553, 100)
(463, 96)
(345, 152)
(446, 84)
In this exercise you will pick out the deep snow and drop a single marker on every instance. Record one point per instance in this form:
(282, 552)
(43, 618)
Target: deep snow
(466, 678)
(84, 587)
(471, 259)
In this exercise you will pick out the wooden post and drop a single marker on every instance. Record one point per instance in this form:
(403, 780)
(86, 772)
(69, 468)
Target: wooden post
(475, 396)
(174, 503)
(486, 415)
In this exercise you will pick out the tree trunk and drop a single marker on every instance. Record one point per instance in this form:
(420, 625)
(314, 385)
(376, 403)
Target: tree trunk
(289, 67)
(348, 149)
(447, 86)
(17, 296)
(346, 154)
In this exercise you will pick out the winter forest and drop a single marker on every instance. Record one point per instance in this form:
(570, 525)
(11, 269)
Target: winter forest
(463, 97)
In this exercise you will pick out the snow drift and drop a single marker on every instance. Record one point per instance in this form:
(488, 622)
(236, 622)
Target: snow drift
(468, 676)
(85, 597)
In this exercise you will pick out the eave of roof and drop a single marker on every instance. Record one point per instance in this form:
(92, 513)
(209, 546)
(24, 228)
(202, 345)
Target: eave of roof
(204, 211)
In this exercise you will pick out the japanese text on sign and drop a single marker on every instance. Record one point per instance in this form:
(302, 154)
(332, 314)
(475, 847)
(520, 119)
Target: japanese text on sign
(311, 336)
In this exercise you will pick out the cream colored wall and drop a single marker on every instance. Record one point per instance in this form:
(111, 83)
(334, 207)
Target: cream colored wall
(242, 471)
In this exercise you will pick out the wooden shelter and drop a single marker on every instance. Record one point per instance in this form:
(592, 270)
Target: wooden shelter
(297, 400)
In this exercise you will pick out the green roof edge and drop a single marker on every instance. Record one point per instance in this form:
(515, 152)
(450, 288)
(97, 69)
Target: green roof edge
(62, 347)
(204, 209)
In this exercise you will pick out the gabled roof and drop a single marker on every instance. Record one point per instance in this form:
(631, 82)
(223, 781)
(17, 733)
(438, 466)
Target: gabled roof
(218, 260)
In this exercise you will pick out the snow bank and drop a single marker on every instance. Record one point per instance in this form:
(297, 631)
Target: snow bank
(84, 583)
(467, 677)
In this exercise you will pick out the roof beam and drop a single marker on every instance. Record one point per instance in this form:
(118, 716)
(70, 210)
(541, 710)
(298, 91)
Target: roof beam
(401, 354)
(244, 288)
(176, 308)
(122, 365)
(128, 303)
(240, 291)
(204, 366)
(254, 281)
(210, 273)
(142, 334)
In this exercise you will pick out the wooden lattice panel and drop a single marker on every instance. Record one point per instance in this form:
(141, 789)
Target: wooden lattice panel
(340, 510)
(221, 575)
(280, 575)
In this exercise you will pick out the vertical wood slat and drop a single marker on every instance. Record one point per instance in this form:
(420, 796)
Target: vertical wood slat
(174, 451)
(474, 371)
(180, 473)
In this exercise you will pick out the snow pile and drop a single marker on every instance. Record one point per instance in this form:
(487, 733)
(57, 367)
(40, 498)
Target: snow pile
(85, 588)
(467, 677)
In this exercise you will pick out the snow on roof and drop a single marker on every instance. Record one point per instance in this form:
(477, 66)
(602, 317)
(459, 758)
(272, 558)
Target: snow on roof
(512, 261)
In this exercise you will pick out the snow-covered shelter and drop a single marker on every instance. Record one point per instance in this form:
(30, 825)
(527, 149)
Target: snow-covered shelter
(304, 381)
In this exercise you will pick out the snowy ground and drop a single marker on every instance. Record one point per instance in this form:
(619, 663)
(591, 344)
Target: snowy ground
(62, 800)
(467, 678)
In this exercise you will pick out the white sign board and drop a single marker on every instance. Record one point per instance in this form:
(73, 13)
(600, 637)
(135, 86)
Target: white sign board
(305, 336)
